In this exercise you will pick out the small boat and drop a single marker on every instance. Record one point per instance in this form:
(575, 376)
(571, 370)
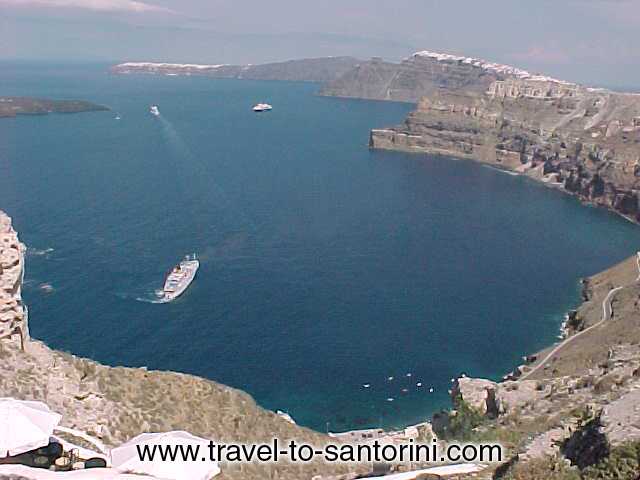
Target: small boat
(179, 279)
(117, 117)
(286, 416)
(154, 110)
(262, 107)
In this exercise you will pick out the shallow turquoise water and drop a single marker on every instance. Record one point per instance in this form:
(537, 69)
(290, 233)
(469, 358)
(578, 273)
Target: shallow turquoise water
(324, 265)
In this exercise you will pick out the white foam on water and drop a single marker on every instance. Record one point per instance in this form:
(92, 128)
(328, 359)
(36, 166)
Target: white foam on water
(172, 137)
(151, 297)
(145, 293)
(501, 170)
(150, 300)
(180, 150)
(39, 252)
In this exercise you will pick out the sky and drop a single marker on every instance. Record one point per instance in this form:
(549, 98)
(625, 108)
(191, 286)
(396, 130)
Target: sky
(595, 42)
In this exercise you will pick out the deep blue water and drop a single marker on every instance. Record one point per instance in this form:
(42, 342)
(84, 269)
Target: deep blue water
(324, 265)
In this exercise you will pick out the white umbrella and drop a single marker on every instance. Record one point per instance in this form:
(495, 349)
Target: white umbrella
(24, 426)
(126, 458)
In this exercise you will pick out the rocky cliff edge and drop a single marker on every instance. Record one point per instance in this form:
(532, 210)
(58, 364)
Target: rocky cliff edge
(582, 140)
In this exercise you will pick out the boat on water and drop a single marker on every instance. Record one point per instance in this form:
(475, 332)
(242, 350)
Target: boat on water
(286, 416)
(262, 107)
(179, 279)
(154, 110)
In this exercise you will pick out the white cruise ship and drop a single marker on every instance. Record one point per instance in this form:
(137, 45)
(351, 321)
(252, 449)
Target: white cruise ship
(179, 279)
(154, 110)
(262, 107)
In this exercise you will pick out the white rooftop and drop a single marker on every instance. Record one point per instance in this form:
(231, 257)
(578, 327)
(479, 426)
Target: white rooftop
(169, 65)
(494, 67)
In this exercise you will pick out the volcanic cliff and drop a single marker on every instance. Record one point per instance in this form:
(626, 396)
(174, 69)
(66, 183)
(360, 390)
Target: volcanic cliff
(583, 140)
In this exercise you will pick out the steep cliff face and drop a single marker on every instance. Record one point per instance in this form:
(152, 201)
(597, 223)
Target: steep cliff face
(426, 72)
(586, 141)
(13, 314)
(410, 80)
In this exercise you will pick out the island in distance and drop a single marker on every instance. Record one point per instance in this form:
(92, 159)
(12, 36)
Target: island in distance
(12, 106)
(323, 70)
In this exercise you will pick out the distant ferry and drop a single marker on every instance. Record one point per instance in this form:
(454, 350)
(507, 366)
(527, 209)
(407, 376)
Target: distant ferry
(154, 110)
(262, 107)
(179, 278)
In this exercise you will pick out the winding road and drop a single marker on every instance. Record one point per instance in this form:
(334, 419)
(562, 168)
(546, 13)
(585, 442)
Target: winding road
(607, 312)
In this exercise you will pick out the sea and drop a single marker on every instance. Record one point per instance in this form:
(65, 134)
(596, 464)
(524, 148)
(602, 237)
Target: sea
(342, 285)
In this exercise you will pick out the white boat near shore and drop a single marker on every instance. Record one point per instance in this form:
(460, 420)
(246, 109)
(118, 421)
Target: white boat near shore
(179, 279)
(286, 416)
(154, 110)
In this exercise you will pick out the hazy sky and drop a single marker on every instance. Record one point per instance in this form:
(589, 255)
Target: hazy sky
(592, 41)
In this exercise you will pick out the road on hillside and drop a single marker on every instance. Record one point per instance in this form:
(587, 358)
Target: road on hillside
(607, 312)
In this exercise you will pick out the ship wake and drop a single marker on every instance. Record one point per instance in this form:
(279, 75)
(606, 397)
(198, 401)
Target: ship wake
(150, 298)
(146, 294)
(38, 251)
